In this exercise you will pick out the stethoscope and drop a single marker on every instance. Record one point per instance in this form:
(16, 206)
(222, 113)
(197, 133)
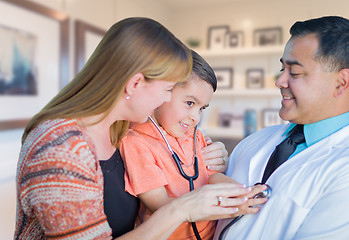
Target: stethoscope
(179, 166)
(264, 194)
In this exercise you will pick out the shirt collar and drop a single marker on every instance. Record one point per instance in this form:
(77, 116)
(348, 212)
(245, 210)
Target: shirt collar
(149, 128)
(315, 132)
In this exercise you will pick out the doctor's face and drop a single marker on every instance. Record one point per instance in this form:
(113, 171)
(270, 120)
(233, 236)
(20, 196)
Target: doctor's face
(307, 88)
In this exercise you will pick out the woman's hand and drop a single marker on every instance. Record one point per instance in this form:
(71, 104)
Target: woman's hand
(203, 203)
(215, 156)
(251, 205)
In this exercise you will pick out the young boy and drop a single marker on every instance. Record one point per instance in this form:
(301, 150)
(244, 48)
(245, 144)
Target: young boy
(151, 173)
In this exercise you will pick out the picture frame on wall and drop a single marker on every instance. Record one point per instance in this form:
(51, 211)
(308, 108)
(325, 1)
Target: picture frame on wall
(234, 39)
(255, 78)
(225, 119)
(271, 117)
(216, 36)
(87, 37)
(230, 119)
(267, 36)
(224, 77)
(41, 59)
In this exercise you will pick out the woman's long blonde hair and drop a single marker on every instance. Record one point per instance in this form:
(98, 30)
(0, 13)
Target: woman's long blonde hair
(130, 46)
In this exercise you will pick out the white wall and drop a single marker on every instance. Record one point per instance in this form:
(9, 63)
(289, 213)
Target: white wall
(182, 21)
(247, 15)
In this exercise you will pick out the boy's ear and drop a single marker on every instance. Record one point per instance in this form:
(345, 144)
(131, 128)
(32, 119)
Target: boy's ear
(134, 83)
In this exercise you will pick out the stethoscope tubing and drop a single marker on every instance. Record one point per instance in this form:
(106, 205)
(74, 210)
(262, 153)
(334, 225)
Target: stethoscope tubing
(179, 166)
(189, 178)
(177, 159)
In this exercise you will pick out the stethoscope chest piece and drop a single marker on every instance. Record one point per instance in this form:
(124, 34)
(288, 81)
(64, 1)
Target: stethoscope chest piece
(264, 194)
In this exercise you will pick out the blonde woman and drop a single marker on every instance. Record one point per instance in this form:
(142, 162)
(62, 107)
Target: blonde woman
(59, 177)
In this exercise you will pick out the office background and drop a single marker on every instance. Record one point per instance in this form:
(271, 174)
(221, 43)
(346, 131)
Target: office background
(195, 22)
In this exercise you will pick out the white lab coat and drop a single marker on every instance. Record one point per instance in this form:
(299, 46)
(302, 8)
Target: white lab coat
(310, 191)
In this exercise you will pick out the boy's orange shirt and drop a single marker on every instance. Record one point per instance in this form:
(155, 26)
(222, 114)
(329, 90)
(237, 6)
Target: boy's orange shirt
(149, 165)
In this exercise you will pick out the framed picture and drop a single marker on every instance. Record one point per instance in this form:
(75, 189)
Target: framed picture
(34, 61)
(87, 37)
(225, 120)
(267, 36)
(224, 77)
(234, 39)
(216, 36)
(230, 119)
(255, 78)
(271, 117)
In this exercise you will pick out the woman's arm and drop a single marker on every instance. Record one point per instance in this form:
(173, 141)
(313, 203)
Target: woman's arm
(194, 206)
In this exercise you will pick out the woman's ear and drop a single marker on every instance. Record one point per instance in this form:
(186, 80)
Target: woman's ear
(342, 83)
(133, 84)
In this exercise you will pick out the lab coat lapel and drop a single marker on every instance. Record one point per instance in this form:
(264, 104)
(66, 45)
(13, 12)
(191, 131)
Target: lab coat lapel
(262, 152)
(312, 154)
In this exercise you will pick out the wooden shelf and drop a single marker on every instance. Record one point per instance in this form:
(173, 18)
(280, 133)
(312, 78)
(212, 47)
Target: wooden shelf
(246, 51)
(240, 97)
(223, 132)
(265, 92)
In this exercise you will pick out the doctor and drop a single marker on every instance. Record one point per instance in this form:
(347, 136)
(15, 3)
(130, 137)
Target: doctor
(310, 190)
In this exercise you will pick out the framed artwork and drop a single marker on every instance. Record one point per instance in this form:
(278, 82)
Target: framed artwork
(230, 119)
(217, 36)
(224, 77)
(234, 39)
(271, 117)
(255, 78)
(267, 36)
(34, 61)
(225, 120)
(87, 38)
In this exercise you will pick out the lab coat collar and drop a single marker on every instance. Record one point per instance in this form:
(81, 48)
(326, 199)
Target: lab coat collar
(312, 154)
(317, 131)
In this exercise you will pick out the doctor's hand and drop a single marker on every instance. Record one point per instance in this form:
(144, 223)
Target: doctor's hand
(215, 156)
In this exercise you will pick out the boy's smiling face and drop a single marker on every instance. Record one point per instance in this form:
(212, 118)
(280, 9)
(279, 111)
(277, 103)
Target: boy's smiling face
(184, 110)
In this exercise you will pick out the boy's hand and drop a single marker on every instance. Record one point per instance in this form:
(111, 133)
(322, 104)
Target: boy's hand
(215, 156)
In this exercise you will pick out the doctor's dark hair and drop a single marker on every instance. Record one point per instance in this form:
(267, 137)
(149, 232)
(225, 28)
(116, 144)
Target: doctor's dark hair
(130, 46)
(332, 33)
(203, 70)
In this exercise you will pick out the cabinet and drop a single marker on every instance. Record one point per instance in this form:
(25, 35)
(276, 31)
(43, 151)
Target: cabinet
(239, 99)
